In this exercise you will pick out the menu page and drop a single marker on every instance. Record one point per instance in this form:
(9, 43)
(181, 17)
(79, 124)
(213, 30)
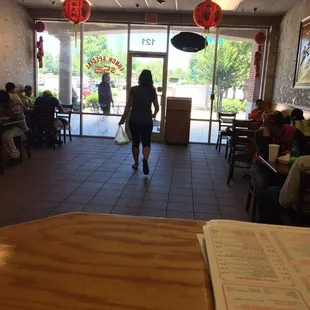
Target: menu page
(258, 267)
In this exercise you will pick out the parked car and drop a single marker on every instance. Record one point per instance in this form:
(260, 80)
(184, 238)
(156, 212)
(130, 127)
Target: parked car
(86, 92)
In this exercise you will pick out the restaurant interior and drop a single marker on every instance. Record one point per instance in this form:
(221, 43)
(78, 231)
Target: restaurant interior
(223, 169)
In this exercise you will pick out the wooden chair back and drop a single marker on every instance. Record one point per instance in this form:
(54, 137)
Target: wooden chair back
(242, 147)
(242, 141)
(246, 124)
(226, 119)
(67, 113)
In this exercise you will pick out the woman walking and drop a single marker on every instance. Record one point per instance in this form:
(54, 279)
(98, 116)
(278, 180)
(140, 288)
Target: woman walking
(139, 106)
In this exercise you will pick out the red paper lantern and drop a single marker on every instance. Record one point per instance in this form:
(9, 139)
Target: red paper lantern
(260, 38)
(207, 14)
(39, 27)
(76, 11)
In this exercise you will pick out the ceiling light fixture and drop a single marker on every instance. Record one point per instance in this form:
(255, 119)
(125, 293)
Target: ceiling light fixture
(176, 5)
(118, 4)
(228, 5)
(161, 1)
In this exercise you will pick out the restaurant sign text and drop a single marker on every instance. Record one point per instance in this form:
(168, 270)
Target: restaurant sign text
(105, 64)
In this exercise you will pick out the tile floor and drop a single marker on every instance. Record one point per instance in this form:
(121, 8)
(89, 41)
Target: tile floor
(94, 175)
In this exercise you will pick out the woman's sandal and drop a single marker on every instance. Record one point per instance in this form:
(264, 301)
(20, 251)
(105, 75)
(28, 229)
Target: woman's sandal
(134, 167)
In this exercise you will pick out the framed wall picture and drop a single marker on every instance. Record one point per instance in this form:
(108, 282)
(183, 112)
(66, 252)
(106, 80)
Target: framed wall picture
(302, 70)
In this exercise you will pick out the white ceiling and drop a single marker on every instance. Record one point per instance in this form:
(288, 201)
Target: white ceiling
(271, 7)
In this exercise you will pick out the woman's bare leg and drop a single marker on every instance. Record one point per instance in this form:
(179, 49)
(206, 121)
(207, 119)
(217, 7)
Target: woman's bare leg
(146, 152)
(135, 155)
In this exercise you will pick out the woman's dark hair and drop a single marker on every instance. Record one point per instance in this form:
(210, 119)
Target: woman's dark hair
(4, 96)
(9, 86)
(298, 115)
(274, 117)
(146, 79)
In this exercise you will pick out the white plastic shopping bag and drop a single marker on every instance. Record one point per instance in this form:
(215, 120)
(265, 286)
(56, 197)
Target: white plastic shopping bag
(121, 137)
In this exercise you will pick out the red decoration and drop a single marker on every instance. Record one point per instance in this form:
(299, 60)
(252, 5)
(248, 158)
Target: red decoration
(207, 14)
(76, 11)
(40, 53)
(257, 59)
(39, 27)
(260, 39)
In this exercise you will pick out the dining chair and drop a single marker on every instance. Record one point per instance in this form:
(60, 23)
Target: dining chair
(45, 128)
(252, 193)
(65, 118)
(1, 158)
(242, 147)
(22, 142)
(225, 122)
(244, 124)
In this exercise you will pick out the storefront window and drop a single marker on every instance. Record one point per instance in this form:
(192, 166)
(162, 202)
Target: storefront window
(148, 38)
(61, 66)
(104, 52)
(236, 87)
(102, 92)
(190, 76)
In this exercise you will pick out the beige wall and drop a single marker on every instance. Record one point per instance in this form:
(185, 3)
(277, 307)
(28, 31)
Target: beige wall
(283, 91)
(16, 51)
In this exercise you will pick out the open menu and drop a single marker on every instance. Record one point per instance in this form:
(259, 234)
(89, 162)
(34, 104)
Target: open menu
(256, 266)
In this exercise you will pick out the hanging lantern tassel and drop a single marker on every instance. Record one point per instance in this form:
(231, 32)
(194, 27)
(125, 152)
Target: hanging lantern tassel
(206, 31)
(76, 30)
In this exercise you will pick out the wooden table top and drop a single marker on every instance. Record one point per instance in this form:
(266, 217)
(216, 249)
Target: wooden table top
(277, 167)
(93, 261)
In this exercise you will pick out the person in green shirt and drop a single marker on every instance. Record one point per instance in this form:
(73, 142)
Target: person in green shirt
(298, 121)
(28, 92)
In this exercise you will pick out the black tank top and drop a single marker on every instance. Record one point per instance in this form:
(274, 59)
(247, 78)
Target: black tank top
(142, 99)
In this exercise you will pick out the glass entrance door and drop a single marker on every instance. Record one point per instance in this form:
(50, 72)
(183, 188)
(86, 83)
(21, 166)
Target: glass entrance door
(157, 64)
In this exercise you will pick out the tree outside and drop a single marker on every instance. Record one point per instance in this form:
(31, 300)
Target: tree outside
(232, 67)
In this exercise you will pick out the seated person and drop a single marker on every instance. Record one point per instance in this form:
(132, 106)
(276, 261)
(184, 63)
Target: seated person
(15, 112)
(298, 120)
(45, 107)
(275, 199)
(30, 98)
(11, 90)
(20, 91)
(256, 114)
(274, 132)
